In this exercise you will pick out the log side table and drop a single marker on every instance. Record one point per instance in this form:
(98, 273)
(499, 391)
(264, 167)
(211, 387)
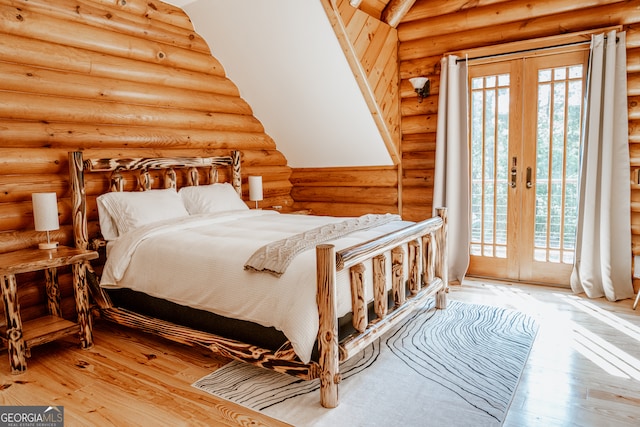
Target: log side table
(19, 337)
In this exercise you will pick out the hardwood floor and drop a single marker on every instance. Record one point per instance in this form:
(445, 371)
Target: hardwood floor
(584, 369)
(127, 379)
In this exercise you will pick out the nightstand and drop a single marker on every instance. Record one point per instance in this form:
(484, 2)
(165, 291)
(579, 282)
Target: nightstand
(19, 337)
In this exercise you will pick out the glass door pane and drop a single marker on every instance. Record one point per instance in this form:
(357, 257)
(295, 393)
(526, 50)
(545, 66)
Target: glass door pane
(551, 140)
(557, 162)
(489, 164)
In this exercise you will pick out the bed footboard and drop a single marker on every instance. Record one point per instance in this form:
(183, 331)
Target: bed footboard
(422, 246)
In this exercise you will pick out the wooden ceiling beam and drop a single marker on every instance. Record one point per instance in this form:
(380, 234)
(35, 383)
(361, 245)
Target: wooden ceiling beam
(395, 11)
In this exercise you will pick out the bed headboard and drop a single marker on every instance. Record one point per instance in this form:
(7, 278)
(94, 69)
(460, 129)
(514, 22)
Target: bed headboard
(142, 166)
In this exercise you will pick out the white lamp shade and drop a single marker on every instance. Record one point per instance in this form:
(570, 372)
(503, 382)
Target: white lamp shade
(45, 211)
(418, 82)
(255, 188)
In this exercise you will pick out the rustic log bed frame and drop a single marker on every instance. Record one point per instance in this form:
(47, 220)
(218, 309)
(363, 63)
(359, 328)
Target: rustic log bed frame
(427, 266)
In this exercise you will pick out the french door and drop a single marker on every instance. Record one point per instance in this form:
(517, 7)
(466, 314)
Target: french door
(525, 146)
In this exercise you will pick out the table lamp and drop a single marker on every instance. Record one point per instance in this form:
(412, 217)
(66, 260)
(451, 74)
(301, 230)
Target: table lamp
(45, 216)
(255, 189)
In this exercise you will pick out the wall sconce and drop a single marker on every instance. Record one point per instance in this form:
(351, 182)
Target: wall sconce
(422, 86)
(45, 216)
(255, 189)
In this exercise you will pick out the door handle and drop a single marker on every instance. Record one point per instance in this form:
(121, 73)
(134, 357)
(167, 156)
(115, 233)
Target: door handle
(513, 172)
(529, 184)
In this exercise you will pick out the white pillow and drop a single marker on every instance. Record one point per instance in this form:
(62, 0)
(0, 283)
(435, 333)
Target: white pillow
(212, 198)
(123, 211)
(108, 226)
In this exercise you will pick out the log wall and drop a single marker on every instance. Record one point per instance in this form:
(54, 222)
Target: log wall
(433, 28)
(346, 191)
(113, 78)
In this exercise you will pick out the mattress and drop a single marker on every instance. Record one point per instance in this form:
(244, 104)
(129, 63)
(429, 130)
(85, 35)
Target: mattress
(198, 262)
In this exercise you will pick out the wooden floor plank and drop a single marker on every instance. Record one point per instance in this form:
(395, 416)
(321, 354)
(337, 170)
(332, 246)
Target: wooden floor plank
(566, 382)
(130, 378)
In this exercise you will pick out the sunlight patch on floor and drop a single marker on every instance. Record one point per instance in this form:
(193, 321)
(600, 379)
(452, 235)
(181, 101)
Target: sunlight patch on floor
(604, 354)
(522, 301)
(628, 328)
(563, 337)
(607, 356)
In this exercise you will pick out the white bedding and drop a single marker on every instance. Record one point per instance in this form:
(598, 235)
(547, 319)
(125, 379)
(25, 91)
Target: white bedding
(198, 261)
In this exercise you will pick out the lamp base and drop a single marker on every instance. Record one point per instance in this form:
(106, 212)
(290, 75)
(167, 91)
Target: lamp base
(50, 245)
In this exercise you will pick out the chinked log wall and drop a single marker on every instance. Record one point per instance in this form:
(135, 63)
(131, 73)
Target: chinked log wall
(371, 48)
(116, 79)
(434, 28)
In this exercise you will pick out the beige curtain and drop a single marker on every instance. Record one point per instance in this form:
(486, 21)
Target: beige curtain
(451, 180)
(603, 245)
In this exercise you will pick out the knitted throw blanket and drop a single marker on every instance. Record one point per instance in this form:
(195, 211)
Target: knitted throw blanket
(276, 256)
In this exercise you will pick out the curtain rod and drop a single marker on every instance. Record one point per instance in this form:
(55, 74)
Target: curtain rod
(497, 55)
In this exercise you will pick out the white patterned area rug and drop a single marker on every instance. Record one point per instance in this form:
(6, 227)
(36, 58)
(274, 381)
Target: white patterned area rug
(454, 367)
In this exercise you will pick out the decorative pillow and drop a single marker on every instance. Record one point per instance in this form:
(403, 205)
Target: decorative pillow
(212, 198)
(124, 211)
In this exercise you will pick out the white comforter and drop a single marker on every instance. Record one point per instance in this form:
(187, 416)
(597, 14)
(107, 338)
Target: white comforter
(198, 261)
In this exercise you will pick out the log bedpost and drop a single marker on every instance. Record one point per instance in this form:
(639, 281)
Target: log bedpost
(236, 175)
(83, 306)
(78, 200)
(442, 263)
(80, 228)
(328, 327)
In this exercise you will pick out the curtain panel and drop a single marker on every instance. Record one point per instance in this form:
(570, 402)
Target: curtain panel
(451, 180)
(603, 245)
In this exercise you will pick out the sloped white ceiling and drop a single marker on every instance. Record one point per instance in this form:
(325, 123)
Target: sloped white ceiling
(288, 65)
